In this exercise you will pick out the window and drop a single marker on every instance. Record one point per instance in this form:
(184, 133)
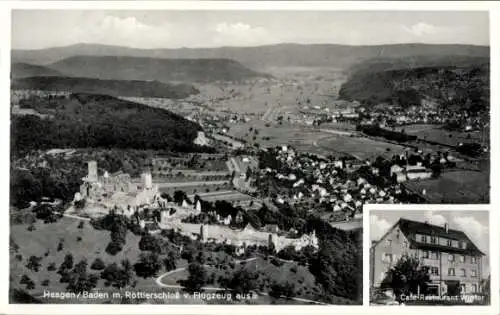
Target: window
(448, 243)
(462, 245)
(473, 260)
(451, 271)
(463, 273)
(405, 244)
(423, 239)
(454, 244)
(473, 273)
(425, 254)
(388, 243)
(433, 240)
(463, 288)
(474, 288)
(387, 258)
(435, 271)
(434, 255)
(451, 257)
(462, 258)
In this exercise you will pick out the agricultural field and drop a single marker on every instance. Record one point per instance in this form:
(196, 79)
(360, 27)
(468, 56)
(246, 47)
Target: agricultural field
(454, 187)
(438, 134)
(359, 147)
(290, 88)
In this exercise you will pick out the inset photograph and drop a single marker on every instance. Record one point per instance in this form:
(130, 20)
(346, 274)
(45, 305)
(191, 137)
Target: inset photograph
(423, 257)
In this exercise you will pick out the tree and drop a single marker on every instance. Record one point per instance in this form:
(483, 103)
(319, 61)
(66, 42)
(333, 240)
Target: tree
(34, 263)
(148, 265)
(30, 285)
(285, 289)
(51, 266)
(98, 264)
(118, 277)
(179, 196)
(243, 281)
(150, 243)
(197, 278)
(169, 262)
(67, 264)
(407, 276)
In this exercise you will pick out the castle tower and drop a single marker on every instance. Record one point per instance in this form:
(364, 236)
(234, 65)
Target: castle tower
(203, 233)
(273, 241)
(92, 173)
(148, 180)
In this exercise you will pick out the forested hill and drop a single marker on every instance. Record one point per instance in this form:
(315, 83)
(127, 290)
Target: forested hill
(417, 61)
(148, 69)
(98, 121)
(107, 87)
(24, 70)
(463, 87)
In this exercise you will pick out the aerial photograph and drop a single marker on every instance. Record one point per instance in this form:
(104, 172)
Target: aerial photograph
(225, 157)
(422, 257)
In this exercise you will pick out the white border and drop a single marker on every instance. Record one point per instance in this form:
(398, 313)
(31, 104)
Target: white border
(494, 9)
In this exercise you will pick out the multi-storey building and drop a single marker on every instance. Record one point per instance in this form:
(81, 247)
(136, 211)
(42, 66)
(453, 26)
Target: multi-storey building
(453, 261)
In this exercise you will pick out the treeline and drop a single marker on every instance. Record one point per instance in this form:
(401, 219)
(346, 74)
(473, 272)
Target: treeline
(108, 87)
(376, 131)
(466, 88)
(98, 121)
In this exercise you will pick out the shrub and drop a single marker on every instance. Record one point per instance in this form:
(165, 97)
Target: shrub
(98, 264)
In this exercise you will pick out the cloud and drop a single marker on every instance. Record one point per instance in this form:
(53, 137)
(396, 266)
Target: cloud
(129, 31)
(473, 228)
(239, 34)
(128, 25)
(435, 219)
(378, 227)
(422, 29)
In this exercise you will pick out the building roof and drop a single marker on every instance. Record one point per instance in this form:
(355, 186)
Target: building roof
(411, 228)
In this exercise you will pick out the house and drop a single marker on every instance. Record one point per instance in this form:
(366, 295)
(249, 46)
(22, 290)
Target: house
(453, 261)
(271, 228)
(414, 172)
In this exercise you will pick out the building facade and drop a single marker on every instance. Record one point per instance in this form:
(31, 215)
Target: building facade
(453, 261)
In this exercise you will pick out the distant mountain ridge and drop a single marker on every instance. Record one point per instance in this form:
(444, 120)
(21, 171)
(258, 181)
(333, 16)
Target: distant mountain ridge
(260, 57)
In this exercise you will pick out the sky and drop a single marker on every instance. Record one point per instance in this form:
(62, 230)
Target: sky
(36, 29)
(473, 223)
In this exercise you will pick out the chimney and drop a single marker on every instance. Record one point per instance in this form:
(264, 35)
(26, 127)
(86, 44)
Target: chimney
(446, 227)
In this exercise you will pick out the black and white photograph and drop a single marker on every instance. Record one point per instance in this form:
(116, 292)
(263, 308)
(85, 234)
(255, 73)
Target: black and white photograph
(225, 156)
(426, 257)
